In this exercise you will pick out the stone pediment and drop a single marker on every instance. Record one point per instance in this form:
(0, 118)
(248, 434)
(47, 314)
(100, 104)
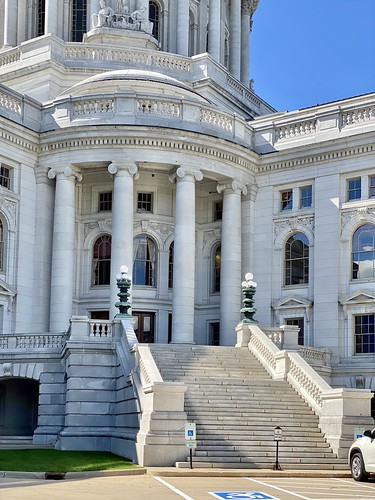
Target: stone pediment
(358, 297)
(6, 289)
(291, 302)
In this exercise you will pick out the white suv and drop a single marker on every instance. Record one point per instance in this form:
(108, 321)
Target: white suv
(361, 456)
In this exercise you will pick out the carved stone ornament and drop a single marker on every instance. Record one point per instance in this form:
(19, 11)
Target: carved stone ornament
(66, 171)
(9, 207)
(360, 214)
(162, 229)
(121, 18)
(233, 185)
(130, 168)
(294, 224)
(8, 369)
(183, 172)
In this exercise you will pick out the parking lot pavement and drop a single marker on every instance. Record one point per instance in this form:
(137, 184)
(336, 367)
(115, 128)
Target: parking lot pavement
(153, 487)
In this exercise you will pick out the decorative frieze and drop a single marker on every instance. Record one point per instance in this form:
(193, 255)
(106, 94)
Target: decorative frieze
(9, 206)
(102, 225)
(284, 226)
(356, 215)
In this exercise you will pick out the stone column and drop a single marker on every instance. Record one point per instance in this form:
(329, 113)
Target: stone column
(62, 276)
(51, 17)
(235, 39)
(230, 273)
(10, 23)
(122, 224)
(245, 41)
(214, 30)
(183, 27)
(184, 256)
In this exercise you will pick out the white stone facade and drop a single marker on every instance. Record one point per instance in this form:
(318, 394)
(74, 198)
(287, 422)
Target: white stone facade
(153, 138)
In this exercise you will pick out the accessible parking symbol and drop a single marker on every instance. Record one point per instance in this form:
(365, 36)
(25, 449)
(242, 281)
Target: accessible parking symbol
(242, 495)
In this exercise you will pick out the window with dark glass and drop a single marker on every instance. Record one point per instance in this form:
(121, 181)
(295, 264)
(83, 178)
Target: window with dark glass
(40, 17)
(170, 265)
(5, 177)
(101, 261)
(306, 197)
(218, 210)
(301, 325)
(371, 186)
(297, 260)
(354, 189)
(364, 333)
(363, 252)
(286, 200)
(79, 20)
(1, 246)
(144, 268)
(216, 270)
(105, 202)
(144, 203)
(154, 17)
(214, 334)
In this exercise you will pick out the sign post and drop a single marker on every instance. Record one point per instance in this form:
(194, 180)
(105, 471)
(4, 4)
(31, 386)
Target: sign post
(278, 436)
(191, 439)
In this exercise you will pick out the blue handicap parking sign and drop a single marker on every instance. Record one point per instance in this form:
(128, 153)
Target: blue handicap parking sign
(242, 495)
(190, 433)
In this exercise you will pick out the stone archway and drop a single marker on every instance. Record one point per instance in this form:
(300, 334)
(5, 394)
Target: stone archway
(18, 406)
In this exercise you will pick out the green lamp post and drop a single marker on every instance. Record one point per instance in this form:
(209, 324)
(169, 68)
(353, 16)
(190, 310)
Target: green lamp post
(124, 284)
(248, 289)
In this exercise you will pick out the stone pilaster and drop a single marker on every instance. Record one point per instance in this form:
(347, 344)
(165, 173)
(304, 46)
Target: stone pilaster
(230, 274)
(122, 224)
(235, 39)
(214, 30)
(51, 17)
(10, 23)
(183, 27)
(184, 255)
(62, 276)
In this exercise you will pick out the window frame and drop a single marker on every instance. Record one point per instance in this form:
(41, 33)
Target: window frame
(286, 204)
(78, 20)
(149, 264)
(292, 263)
(101, 266)
(302, 206)
(361, 251)
(107, 202)
(371, 334)
(354, 189)
(145, 206)
(5, 176)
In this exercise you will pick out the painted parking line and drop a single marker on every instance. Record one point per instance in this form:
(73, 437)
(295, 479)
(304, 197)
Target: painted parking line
(173, 488)
(278, 488)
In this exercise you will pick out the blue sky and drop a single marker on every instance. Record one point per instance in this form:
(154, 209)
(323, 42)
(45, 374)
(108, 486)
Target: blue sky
(308, 52)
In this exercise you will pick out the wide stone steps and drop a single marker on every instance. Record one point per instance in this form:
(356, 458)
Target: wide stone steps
(236, 407)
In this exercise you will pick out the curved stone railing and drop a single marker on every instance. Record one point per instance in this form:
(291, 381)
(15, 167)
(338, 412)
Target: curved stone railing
(339, 410)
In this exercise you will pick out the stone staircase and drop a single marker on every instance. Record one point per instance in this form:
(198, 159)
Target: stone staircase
(19, 443)
(236, 407)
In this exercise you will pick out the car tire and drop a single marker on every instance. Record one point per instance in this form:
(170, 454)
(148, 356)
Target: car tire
(357, 467)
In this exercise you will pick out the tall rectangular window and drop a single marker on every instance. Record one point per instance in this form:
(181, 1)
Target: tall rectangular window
(354, 189)
(105, 202)
(286, 200)
(40, 17)
(79, 20)
(5, 177)
(218, 210)
(305, 197)
(371, 186)
(364, 333)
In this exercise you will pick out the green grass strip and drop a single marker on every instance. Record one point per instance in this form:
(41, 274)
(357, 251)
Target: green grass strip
(34, 460)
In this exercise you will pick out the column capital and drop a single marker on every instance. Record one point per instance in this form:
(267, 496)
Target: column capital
(128, 167)
(247, 7)
(232, 185)
(183, 172)
(69, 171)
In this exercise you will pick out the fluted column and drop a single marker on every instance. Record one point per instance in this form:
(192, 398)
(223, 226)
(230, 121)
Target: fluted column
(62, 276)
(10, 23)
(230, 273)
(183, 27)
(184, 256)
(51, 17)
(214, 30)
(245, 41)
(122, 224)
(235, 39)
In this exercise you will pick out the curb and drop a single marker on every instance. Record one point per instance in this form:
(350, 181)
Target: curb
(72, 475)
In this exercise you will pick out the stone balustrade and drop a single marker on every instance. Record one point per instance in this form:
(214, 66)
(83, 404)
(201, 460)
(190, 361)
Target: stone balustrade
(32, 341)
(339, 410)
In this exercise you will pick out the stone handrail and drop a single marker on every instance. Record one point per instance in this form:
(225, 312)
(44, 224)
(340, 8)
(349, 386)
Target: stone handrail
(32, 341)
(339, 410)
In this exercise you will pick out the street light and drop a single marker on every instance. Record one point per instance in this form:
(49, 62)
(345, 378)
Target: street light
(248, 289)
(123, 283)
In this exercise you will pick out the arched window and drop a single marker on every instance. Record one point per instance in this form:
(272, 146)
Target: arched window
(79, 20)
(363, 252)
(2, 246)
(154, 17)
(216, 269)
(101, 261)
(170, 266)
(144, 267)
(297, 260)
